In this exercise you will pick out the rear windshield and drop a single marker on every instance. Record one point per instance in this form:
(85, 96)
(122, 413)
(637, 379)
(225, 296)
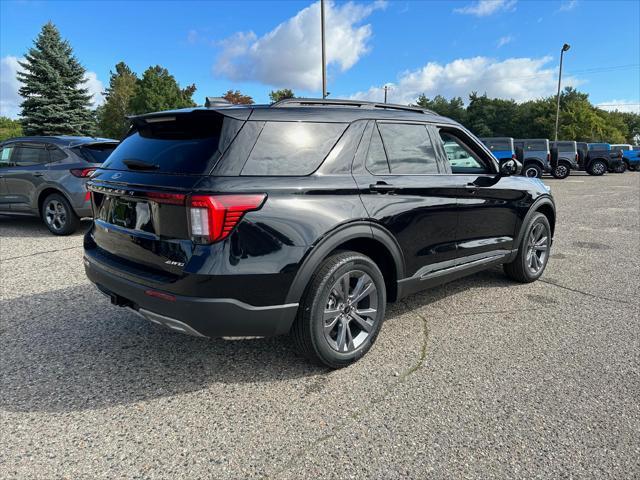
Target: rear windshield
(185, 144)
(537, 145)
(566, 146)
(498, 144)
(622, 147)
(95, 152)
(292, 148)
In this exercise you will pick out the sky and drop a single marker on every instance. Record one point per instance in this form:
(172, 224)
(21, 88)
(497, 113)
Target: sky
(505, 48)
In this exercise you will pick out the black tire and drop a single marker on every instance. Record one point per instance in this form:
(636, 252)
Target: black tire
(58, 216)
(532, 170)
(562, 170)
(521, 269)
(321, 298)
(620, 168)
(597, 168)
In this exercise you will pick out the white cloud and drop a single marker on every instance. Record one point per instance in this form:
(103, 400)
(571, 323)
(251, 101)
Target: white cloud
(10, 99)
(520, 79)
(483, 8)
(502, 41)
(95, 87)
(289, 55)
(567, 6)
(632, 106)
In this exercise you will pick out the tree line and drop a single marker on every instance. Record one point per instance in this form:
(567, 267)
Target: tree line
(56, 102)
(579, 119)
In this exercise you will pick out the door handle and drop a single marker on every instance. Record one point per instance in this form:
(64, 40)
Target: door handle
(38, 174)
(472, 188)
(382, 187)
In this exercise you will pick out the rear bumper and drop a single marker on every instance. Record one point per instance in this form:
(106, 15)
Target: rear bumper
(209, 317)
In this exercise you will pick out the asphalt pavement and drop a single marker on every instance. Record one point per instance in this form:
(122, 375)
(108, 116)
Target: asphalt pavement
(481, 378)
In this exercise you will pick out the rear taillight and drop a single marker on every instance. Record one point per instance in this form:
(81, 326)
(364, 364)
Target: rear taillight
(213, 217)
(82, 172)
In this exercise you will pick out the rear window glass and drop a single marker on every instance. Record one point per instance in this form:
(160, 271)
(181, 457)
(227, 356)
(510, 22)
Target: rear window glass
(537, 145)
(95, 153)
(499, 144)
(292, 148)
(566, 147)
(409, 148)
(599, 146)
(183, 144)
(622, 147)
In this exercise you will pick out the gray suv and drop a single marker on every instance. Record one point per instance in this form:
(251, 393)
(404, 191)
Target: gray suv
(46, 177)
(567, 158)
(535, 155)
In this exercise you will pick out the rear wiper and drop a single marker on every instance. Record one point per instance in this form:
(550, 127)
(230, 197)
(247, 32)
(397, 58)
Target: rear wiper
(140, 165)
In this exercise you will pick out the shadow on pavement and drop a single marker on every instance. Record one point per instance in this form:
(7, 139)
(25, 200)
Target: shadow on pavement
(69, 350)
(31, 227)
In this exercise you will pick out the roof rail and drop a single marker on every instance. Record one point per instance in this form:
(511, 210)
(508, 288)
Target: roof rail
(309, 102)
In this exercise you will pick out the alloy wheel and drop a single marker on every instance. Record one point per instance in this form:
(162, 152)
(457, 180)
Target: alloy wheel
(561, 171)
(599, 168)
(351, 311)
(56, 214)
(537, 248)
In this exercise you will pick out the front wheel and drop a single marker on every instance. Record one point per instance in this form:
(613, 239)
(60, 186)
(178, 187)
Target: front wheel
(342, 310)
(533, 251)
(561, 171)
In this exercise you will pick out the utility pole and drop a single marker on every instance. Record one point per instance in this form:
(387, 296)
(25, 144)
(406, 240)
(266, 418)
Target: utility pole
(565, 47)
(324, 58)
(386, 87)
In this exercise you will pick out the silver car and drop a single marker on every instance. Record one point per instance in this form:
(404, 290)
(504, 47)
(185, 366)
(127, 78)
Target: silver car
(46, 177)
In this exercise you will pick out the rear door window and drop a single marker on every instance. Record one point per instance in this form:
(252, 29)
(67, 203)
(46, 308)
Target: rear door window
(409, 149)
(28, 155)
(292, 148)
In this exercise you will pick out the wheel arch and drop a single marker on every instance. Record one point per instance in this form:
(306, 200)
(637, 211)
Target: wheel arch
(45, 192)
(542, 205)
(367, 238)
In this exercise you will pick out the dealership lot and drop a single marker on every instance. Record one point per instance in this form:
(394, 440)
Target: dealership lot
(480, 378)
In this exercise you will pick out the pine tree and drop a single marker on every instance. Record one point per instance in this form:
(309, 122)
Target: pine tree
(112, 116)
(158, 90)
(56, 103)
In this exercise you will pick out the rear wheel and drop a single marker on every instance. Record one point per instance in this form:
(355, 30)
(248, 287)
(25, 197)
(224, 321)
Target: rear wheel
(532, 170)
(58, 215)
(561, 171)
(597, 168)
(620, 168)
(533, 251)
(342, 310)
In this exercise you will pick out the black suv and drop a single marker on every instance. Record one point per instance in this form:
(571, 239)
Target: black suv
(306, 217)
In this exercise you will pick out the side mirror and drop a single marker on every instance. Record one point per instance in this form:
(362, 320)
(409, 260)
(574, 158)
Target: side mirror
(509, 167)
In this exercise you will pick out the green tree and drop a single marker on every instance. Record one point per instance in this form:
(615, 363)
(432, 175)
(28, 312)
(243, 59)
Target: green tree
(158, 90)
(52, 85)
(236, 97)
(112, 116)
(9, 128)
(277, 95)
(453, 108)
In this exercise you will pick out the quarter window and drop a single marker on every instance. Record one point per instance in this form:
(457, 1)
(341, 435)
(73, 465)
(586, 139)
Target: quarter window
(376, 157)
(409, 149)
(5, 156)
(292, 148)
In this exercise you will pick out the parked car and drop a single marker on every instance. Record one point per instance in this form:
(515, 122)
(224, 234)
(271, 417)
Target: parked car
(501, 147)
(599, 158)
(536, 156)
(567, 158)
(305, 216)
(46, 177)
(630, 155)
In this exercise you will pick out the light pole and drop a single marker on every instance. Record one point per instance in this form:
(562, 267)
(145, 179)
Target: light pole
(565, 47)
(324, 63)
(386, 87)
